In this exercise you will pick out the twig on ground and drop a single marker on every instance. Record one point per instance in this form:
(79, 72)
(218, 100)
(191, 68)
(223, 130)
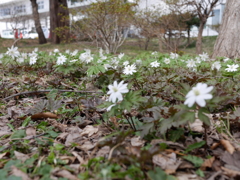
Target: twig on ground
(46, 91)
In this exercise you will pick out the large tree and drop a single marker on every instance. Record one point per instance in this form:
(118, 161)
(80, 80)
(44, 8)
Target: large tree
(41, 37)
(59, 21)
(227, 43)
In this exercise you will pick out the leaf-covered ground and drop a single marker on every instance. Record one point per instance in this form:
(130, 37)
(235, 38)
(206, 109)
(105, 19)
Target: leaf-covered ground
(54, 123)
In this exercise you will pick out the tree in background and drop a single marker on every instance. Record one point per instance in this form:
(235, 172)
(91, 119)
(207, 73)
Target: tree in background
(59, 21)
(41, 37)
(108, 22)
(203, 9)
(227, 43)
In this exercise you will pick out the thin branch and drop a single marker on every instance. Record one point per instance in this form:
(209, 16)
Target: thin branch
(46, 91)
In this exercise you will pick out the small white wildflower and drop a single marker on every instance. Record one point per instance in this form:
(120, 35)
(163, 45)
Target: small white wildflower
(67, 51)
(129, 69)
(20, 60)
(106, 66)
(198, 60)
(232, 68)
(138, 61)
(74, 60)
(61, 59)
(120, 56)
(126, 63)
(13, 52)
(226, 59)
(216, 65)
(191, 63)
(204, 56)
(35, 50)
(154, 53)
(173, 55)
(32, 60)
(56, 50)
(198, 94)
(74, 53)
(166, 60)
(116, 90)
(155, 64)
(110, 107)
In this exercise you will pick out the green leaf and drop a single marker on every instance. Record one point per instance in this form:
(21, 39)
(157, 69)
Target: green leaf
(200, 173)
(197, 161)
(146, 129)
(176, 134)
(53, 134)
(14, 178)
(158, 173)
(52, 94)
(194, 146)
(26, 121)
(18, 134)
(204, 118)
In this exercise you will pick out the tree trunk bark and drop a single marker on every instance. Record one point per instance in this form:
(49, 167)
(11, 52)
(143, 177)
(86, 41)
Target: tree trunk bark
(41, 37)
(199, 38)
(227, 43)
(59, 21)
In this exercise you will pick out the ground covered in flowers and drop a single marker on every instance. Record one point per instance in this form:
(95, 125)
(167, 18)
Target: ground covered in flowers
(83, 115)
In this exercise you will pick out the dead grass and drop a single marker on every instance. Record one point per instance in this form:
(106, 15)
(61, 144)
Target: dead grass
(131, 46)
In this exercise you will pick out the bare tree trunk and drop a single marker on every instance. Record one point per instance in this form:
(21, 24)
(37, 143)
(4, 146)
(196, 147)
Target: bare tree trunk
(199, 38)
(227, 43)
(41, 37)
(59, 21)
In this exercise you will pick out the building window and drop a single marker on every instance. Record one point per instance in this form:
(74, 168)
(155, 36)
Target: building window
(40, 5)
(5, 12)
(216, 17)
(20, 9)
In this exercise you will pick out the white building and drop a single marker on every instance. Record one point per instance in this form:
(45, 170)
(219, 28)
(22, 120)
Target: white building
(18, 14)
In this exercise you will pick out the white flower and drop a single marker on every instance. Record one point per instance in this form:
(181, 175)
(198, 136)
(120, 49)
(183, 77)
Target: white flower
(86, 57)
(232, 68)
(20, 60)
(129, 69)
(198, 59)
(106, 66)
(139, 62)
(120, 56)
(24, 55)
(226, 59)
(35, 50)
(167, 60)
(174, 55)
(33, 60)
(126, 63)
(67, 51)
(74, 52)
(198, 94)
(116, 90)
(155, 64)
(1, 56)
(154, 53)
(216, 65)
(204, 56)
(33, 54)
(55, 50)
(191, 63)
(61, 59)
(13, 52)
(110, 107)
(74, 60)
(114, 61)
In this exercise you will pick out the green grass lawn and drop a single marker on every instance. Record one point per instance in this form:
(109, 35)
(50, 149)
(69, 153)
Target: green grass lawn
(131, 46)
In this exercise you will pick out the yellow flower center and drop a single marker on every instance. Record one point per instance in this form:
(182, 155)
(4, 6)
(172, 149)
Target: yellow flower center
(196, 92)
(115, 89)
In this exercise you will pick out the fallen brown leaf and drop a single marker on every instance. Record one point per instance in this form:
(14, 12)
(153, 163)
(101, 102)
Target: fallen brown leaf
(65, 174)
(21, 156)
(16, 172)
(89, 130)
(230, 172)
(207, 163)
(227, 145)
(44, 115)
(31, 131)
